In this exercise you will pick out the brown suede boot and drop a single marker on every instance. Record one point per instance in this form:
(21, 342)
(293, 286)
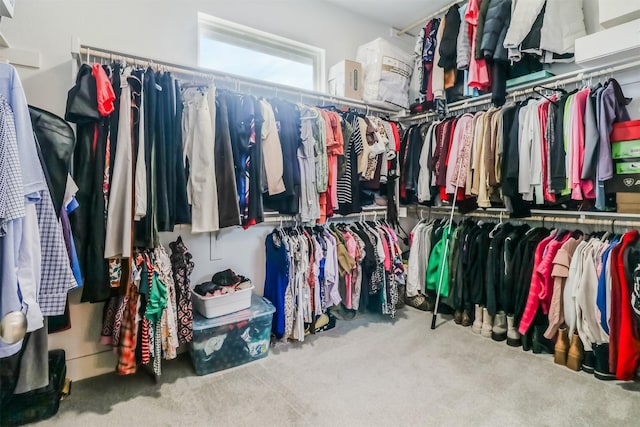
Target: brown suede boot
(562, 347)
(466, 319)
(457, 317)
(576, 353)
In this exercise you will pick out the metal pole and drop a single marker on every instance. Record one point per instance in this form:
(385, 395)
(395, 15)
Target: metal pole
(446, 243)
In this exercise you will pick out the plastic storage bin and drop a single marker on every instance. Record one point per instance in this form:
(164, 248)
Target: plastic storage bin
(232, 340)
(222, 304)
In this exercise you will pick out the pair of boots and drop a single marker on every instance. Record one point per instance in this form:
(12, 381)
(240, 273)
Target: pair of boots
(483, 322)
(572, 354)
(461, 317)
(499, 328)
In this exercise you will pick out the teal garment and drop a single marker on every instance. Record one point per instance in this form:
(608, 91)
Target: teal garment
(157, 299)
(435, 266)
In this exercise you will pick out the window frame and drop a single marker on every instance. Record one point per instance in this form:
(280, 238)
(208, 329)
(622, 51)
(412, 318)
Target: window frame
(237, 34)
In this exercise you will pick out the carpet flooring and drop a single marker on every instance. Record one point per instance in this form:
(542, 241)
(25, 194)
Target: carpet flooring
(367, 372)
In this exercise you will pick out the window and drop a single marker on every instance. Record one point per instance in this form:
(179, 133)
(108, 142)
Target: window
(236, 49)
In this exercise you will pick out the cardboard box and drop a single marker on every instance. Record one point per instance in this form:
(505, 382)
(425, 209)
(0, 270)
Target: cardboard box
(345, 79)
(628, 167)
(625, 149)
(616, 12)
(627, 183)
(629, 208)
(628, 198)
(626, 131)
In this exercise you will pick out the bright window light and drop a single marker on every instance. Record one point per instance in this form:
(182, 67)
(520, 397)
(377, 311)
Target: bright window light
(235, 49)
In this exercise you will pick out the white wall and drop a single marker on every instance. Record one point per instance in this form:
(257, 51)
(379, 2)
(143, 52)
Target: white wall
(165, 30)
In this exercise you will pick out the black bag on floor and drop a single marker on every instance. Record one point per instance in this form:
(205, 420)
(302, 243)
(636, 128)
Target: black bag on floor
(40, 404)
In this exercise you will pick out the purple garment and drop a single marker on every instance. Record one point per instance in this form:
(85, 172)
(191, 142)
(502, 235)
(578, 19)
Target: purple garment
(71, 246)
(611, 111)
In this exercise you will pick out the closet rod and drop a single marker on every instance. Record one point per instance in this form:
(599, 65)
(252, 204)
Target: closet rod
(95, 52)
(549, 220)
(527, 88)
(541, 215)
(274, 217)
(441, 11)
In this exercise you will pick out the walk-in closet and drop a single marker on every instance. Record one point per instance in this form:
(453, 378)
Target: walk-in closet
(319, 212)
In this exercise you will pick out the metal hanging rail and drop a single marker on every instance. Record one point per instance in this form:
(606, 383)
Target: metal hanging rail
(527, 88)
(441, 11)
(612, 219)
(84, 53)
(377, 212)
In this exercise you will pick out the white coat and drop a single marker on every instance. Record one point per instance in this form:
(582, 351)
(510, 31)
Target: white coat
(524, 15)
(563, 23)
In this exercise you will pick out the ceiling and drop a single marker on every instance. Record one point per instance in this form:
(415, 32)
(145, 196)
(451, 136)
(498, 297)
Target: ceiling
(397, 14)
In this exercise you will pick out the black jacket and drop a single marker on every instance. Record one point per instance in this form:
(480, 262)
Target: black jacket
(228, 208)
(56, 141)
(482, 16)
(495, 29)
(494, 272)
(448, 44)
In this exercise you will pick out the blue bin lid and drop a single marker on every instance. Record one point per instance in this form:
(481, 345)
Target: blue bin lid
(259, 307)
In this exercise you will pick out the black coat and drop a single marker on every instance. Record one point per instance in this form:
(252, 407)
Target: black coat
(448, 44)
(495, 271)
(495, 29)
(56, 141)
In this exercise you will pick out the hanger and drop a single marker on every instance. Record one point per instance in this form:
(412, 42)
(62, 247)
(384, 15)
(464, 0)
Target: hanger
(552, 101)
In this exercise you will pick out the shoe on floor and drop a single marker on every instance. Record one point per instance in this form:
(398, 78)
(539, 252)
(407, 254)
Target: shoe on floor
(476, 328)
(513, 336)
(457, 317)
(589, 362)
(420, 302)
(466, 319)
(342, 313)
(499, 331)
(601, 371)
(561, 348)
(527, 340)
(541, 345)
(487, 323)
(576, 353)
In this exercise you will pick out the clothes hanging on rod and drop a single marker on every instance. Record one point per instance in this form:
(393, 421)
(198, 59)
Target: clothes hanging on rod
(152, 313)
(314, 275)
(152, 154)
(38, 259)
(481, 45)
(197, 75)
(533, 286)
(550, 151)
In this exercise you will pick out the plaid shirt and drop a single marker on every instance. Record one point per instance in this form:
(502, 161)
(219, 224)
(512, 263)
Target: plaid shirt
(56, 277)
(11, 187)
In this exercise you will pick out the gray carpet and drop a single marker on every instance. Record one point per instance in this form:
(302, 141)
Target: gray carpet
(367, 372)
